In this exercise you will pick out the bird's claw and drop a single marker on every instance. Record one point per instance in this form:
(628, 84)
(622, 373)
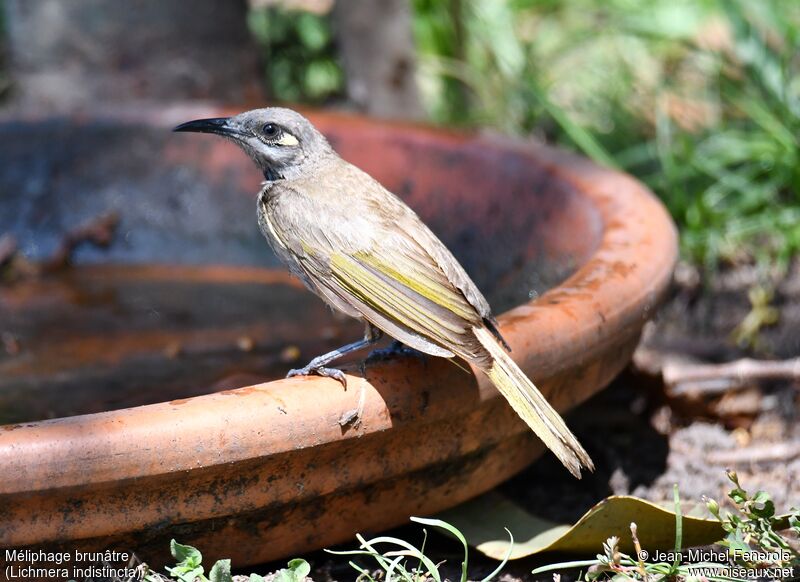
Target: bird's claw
(319, 371)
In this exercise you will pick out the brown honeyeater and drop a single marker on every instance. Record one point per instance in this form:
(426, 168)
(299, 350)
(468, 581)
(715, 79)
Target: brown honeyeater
(364, 252)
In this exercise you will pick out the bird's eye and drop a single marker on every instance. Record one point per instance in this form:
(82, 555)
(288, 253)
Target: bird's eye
(271, 131)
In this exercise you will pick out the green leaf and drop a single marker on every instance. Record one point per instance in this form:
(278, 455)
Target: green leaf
(564, 566)
(762, 505)
(186, 573)
(455, 533)
(185, 555)
(300, 567)
(736, 543)
(312, 31)
(505, 559)
(221, 571)
(409, 550)
(794, 521)
(738, 495)
(296, 572)
(322, 77)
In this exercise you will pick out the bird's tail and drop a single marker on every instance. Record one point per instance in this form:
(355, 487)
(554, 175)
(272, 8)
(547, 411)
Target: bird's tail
(531, 405)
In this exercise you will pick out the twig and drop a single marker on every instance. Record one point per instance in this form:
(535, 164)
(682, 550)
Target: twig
(717, 378)
(763, 453)
(638, 549)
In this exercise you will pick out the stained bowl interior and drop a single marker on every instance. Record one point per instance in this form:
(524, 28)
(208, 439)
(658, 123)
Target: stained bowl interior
(154, 317)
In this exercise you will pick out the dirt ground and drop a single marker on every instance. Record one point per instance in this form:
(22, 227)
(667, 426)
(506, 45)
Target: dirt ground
(645, 436)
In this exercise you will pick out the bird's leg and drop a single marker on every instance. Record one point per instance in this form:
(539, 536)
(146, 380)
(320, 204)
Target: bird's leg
(319, 364)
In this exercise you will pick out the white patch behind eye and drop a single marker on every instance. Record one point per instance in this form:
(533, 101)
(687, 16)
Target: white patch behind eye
(287, 139)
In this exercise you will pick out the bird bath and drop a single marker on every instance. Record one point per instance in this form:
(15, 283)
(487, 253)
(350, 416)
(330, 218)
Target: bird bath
(143, 399)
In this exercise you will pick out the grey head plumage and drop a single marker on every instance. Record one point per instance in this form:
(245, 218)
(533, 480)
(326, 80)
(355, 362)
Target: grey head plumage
(281, 142)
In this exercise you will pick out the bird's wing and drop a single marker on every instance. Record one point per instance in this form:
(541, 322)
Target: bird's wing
(428, 248)
(397, 282)
(377, 257)
(403, 218)
(452, 269)
(455, 273)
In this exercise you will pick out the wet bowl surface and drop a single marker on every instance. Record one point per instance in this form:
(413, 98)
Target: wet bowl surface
(143, 399)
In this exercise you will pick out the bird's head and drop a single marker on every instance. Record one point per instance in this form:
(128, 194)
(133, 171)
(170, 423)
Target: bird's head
(283, 143)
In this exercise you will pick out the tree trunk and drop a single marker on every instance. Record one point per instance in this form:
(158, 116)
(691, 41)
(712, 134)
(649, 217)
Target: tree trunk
(376, 45)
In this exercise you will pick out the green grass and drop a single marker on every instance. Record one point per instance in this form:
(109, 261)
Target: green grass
(404, 562)
(700, 100)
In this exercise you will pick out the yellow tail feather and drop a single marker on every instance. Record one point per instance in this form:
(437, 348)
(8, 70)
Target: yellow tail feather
(533, 408)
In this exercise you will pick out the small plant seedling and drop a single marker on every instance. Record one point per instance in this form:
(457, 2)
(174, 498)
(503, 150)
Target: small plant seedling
(297, 571)
(407, 563)
(189, 567)
(762, 313)
(755, 526)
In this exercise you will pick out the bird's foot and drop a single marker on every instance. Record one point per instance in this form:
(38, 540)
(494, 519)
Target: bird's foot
(309, 370)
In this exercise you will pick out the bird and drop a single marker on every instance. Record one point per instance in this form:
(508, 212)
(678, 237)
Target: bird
(367, 254)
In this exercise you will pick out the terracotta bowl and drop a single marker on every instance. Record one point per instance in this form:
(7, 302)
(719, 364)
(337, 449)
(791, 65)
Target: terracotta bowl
(127, 351)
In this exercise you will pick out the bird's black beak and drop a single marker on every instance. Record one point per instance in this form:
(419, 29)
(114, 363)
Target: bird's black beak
(218, 125)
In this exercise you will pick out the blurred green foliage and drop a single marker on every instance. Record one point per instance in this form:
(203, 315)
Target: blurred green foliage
(699, 99)
(299, 54)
